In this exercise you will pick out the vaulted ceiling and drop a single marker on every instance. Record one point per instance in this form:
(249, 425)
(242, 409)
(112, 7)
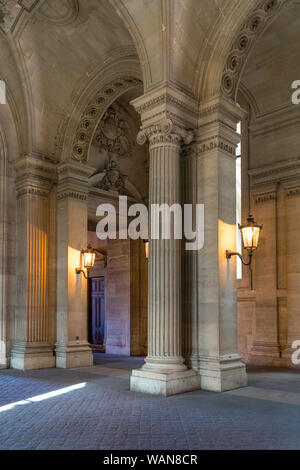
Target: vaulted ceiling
(54, 54)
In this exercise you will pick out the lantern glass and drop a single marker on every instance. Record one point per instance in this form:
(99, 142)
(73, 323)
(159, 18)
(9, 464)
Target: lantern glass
(89, 259)
(251, 234)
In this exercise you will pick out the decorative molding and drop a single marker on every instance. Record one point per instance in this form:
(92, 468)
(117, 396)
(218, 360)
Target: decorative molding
(292, 192)
(216, 142)
(93, 113)
(280, 118)
(34, 176)
(67, 11)
(275, 173)
(217, 128)
(267, 196)
(165, 132)
(11, 12)
(263, 15)
(76, 195)
(167, 104)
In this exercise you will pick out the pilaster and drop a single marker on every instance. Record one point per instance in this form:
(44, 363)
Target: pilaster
(218, 364)
(72, 348)
(31, 348)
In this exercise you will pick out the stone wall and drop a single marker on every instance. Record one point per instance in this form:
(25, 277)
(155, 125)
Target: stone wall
(269, 314)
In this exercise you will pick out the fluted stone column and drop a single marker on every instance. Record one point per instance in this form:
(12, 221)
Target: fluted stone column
(72, 347)
(219, 364)
(164, 371)
(31, 348)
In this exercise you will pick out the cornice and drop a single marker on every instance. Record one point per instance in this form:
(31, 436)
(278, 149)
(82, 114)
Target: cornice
(277, 172)
(167, 102)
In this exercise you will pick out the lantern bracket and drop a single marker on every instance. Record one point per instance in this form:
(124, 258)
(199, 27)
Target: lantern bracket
(229, 254)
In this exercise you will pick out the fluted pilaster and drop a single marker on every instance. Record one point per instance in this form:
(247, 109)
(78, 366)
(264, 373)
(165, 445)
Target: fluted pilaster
(31, 348)
(72, 348)
(190, 266)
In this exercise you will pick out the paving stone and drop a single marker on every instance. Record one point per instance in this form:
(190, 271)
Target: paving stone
(106, 415)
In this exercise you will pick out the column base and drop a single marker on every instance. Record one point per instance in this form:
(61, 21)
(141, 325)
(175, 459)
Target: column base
(31, 356)
(3, 361)
(165, 384)
(73, 355)
(223, 373)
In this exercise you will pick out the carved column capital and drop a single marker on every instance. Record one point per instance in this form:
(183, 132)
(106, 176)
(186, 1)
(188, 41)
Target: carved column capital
(217, 125)
(168, 116)
(73, 180)
(167, 132)
(35, 176)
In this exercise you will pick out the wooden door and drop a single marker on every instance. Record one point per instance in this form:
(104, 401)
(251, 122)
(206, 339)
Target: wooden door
(97, 312)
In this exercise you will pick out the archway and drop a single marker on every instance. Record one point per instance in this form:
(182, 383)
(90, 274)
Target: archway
(103, 136)
(268, 314)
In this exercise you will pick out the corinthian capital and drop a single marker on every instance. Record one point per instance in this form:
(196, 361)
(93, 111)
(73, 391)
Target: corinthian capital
(165, 131)
(168, 115)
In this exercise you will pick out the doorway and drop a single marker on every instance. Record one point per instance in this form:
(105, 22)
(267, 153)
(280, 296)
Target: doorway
(97, 313)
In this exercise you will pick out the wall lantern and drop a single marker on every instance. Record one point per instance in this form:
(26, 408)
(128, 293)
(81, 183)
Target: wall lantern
(250, 234)
(146, 242)
(88, 258)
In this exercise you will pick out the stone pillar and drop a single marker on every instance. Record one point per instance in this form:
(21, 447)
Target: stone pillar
(164, 372)
(72, 348)
(265, 347)
(220, 366)
(190, 324)
(3, 253)
(31, 348)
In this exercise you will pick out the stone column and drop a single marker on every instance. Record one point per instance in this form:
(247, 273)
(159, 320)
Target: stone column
(72, 348)
(164, 372)
(220, 366)
(31, 348)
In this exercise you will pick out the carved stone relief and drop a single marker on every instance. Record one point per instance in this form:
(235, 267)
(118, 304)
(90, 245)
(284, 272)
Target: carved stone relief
(112, 134)
(112, 179)
(93, 113)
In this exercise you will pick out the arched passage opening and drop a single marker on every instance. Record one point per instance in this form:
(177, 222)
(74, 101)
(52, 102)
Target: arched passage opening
(268, 314)
(110, 309)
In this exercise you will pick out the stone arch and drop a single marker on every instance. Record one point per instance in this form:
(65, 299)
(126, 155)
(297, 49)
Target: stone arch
(94, 112)
(231, 52)
(75, 136)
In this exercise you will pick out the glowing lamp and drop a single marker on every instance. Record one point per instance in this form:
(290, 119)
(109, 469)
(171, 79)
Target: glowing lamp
(250, 234)
(146, 242)
(88, 258)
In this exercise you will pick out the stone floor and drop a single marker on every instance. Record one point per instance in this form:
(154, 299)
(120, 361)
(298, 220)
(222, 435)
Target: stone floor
(103, 414)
